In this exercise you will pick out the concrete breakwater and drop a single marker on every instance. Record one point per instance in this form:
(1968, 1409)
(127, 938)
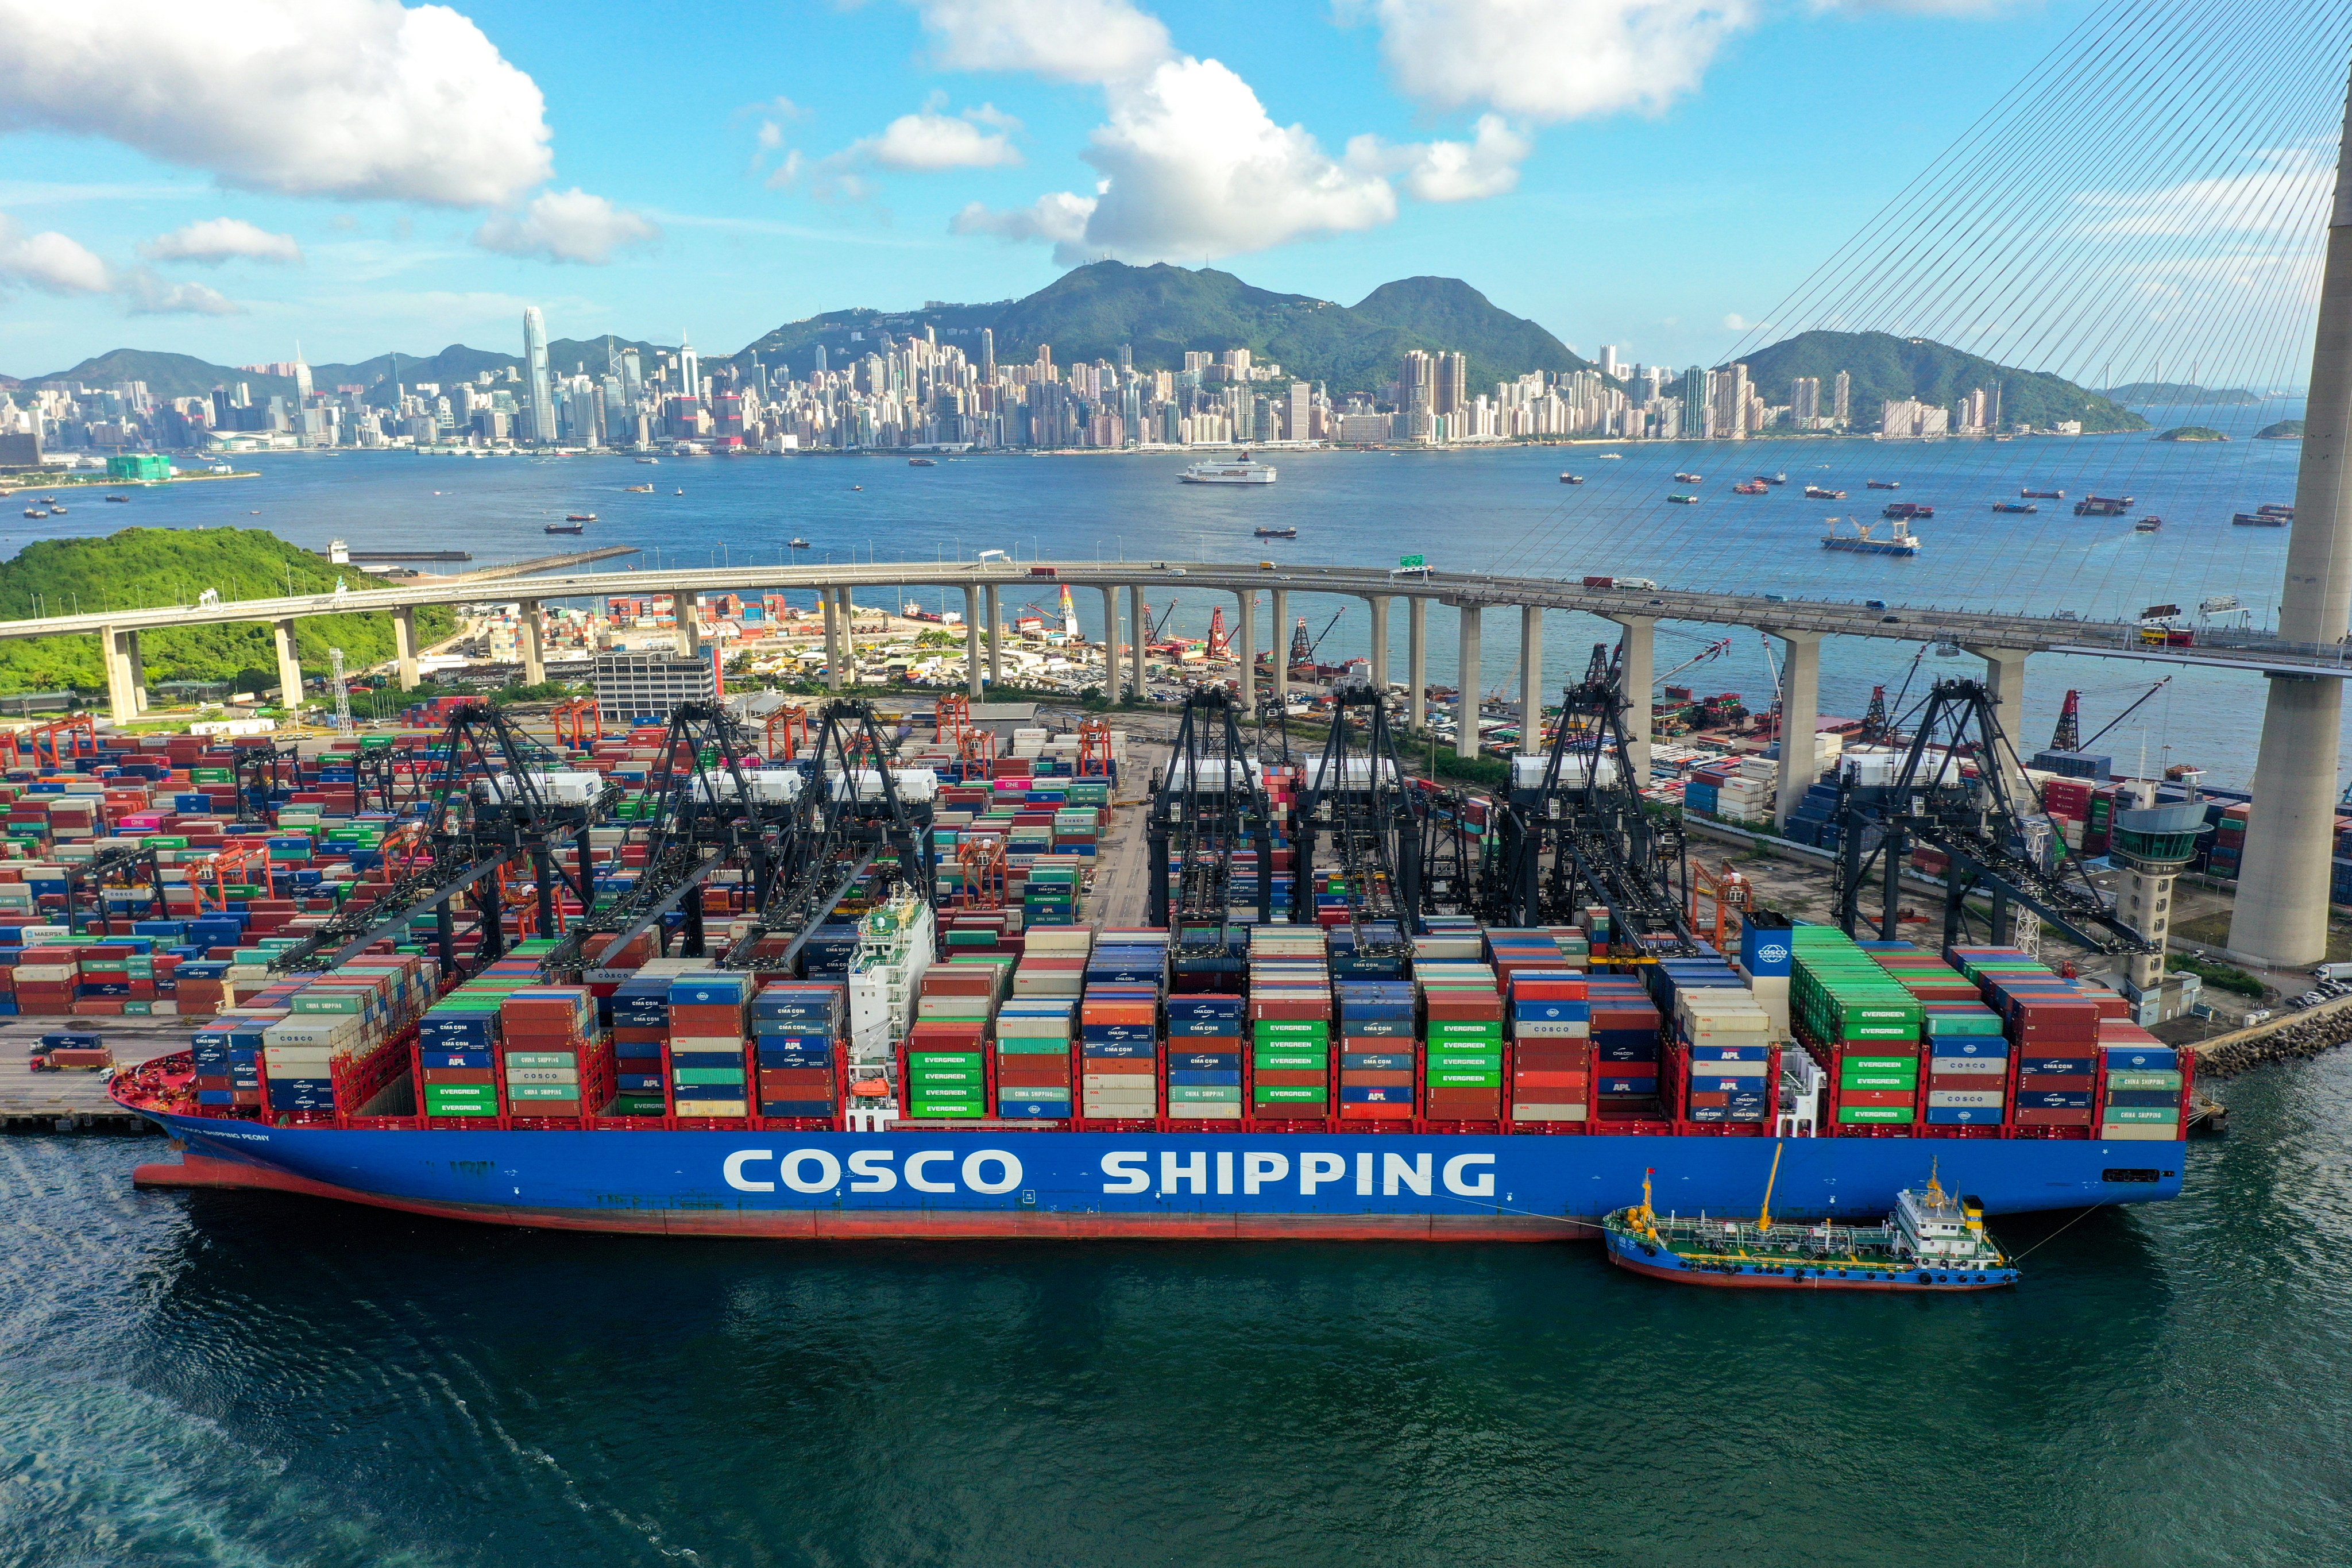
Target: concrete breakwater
(2296, 1038)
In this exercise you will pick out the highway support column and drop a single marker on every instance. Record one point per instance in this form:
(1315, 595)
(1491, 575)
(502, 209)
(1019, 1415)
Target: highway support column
(1111, 690)
(137, 659)
(845, 617)
(1801, 713)
(1416, 659)
(1139, 612)
(2280, 916)
(828, 600)
(114, 657)
(2005, 684)
(1531, 681)
(289, 666)
(1378, 606)
(1279, 648)
(1246, 633)
(690, 624)
(995, 636)
(1637, 673)
(1466, 676)
(971, 613)
(403, 647)
(535, 650)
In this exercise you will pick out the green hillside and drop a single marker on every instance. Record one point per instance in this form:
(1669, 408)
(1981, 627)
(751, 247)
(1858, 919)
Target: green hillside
(846, 335)
(1887, 368)
(2181, 394)
(2284, 430)
(167, 376)
(1163, 310)
(2192, 433)
(141, 568)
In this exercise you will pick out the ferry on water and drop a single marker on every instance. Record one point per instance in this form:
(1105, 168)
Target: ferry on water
(1823, 492)
(1933, 1241)
(1246, 471)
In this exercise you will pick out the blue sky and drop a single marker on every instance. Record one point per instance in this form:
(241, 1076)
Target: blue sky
(360, 177)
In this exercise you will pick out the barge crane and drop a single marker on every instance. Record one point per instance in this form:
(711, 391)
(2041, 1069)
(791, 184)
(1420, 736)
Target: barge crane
(1974, 820)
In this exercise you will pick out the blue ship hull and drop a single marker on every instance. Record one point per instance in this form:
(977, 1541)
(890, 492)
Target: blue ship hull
(1781, 1273)
(993, 1183)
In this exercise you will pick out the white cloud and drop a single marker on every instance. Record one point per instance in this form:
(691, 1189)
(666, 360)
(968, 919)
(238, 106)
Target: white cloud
(2281, 195)
(1488, 165)
(1059, 218)
(566, 226)
(1069, 40)
(151, 296)
(931, 141)
(1193, 166)
(222, 239)
(355, 99)
(51, 262)
(1553, 59)
(1919, 7)
(1735, 322)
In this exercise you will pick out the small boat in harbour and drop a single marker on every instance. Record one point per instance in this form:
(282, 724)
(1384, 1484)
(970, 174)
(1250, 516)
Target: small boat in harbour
(1883, 484)
(1934, 1241)
(1863, 540)
(2019, 506)
(797, 544)
(1680, 498)
(1823, 492)
(1277, 532)
(1686, 478)
(922, 462)
(637, 490)
(2147, 525)
(1571, 479)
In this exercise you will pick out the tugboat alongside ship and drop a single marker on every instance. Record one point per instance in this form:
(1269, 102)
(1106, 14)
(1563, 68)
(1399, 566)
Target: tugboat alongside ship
(1934, 1241)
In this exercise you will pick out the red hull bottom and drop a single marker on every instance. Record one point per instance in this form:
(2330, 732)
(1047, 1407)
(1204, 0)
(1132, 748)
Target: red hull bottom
(914, 1224)
(1791, 1283)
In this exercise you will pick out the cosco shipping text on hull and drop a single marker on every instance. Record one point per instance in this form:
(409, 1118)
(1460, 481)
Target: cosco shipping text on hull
(984, 1184)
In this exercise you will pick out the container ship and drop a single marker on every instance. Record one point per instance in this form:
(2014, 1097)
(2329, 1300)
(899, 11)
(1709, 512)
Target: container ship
(982, 1062)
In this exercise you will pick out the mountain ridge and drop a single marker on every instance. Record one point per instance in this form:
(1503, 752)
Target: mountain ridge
(1886, 368)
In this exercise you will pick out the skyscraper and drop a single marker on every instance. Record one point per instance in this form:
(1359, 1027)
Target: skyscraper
(1416, 382)
(1841, 409)
(1728, 419)
(1300, 422)
(1453, 384)
(1805, 397)
(689, 368)
(818, 367)
(534, 354)
(987, 355)
(1609, 366)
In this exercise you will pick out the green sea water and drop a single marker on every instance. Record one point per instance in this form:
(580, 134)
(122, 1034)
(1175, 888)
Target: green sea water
(252, 1379)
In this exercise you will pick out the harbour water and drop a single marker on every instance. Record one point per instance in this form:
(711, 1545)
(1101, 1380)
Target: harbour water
(1497, 509)
(192, 1379)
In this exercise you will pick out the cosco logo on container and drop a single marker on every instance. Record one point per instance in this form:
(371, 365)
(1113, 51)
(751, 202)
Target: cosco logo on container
(1463, 1176)
(1771, 952)
(989, 1170)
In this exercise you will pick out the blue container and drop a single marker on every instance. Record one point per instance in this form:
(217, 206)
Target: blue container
(796, 1108)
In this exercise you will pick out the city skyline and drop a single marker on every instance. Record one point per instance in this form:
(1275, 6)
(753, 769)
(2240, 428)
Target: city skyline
(881, 155)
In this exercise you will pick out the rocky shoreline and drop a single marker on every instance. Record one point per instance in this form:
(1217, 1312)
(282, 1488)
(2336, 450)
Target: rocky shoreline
(2294, 1039)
